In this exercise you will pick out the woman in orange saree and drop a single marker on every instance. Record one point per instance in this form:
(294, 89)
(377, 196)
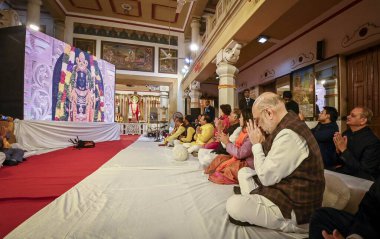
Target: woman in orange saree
(224, 168)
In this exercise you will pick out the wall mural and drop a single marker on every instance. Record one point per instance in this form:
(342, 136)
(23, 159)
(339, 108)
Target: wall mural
(63, 83)
(167, 60)
(128, 57)
(86, 45)
(303, 90)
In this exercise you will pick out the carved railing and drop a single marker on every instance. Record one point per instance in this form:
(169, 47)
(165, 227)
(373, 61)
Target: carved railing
(141, 128)
(212, 22)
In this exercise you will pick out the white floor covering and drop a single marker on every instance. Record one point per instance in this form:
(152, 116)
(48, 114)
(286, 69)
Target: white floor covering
(142, 193)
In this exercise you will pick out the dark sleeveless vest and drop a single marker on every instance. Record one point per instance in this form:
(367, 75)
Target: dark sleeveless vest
(302, 190)
(186, 127)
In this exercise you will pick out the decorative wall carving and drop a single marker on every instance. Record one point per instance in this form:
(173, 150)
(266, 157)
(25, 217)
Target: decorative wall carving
(268, 74)
(361, 33)
(195, 85)
(302, 59)
(96, 30)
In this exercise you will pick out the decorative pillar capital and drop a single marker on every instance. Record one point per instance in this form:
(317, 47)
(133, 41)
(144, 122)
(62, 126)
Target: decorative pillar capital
(195, 22)
(195, 94)
(195, 85)
(230, 54)
(225, 60)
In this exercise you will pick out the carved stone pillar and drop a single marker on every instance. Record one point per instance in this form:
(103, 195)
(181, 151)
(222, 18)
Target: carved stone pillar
(195, 37)
(227, 73)
(195, 94)
(164, 104)
(33, 12)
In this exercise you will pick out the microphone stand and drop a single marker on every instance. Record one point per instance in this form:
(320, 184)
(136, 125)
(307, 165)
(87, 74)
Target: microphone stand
(157, 134)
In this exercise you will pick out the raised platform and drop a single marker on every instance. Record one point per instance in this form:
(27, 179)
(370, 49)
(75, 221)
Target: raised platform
(43, 135)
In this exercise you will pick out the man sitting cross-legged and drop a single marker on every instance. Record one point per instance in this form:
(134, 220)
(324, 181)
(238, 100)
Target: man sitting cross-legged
(202, 135)
(287, 184)
(180, 129)
(188, 135)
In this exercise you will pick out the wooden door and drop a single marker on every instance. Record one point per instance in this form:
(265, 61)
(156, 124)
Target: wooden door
(363, 85)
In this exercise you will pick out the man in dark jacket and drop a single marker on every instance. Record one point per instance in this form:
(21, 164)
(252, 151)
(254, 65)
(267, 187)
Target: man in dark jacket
(358, 147)
(209, 110)
(324, 134)
(333, 223)
(246, 102)
(289, 103)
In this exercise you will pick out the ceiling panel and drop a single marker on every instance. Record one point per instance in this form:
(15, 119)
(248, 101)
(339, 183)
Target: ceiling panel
(157, 12)
(86, 4)
(164, 13)
(135, 7)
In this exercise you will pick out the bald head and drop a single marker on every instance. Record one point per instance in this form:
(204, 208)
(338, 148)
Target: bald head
(268, 110)
(269, 100)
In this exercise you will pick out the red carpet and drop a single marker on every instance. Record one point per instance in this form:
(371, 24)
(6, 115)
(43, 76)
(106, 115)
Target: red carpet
(31, 185)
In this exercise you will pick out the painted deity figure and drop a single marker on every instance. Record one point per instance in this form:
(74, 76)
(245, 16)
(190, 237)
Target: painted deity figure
(134, 110)
(82, 98)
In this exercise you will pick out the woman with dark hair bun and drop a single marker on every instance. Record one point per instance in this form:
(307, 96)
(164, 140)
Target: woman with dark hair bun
(224, 168)
(221, 124)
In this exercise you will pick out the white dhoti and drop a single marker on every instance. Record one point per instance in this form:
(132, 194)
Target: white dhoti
(258, 210)
(205, 157)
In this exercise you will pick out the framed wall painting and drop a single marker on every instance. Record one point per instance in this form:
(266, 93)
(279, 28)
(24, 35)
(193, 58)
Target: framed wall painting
(303, 90)
(128, 57)
(168, 66)
(86, 45)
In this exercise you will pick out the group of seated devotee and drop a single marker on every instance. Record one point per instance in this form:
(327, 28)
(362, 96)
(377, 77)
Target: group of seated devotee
(221, 124)
(278, 164)
(9, 154)
(356, 152)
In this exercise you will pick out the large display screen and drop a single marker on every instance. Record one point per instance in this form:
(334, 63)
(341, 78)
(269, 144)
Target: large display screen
(64, 83)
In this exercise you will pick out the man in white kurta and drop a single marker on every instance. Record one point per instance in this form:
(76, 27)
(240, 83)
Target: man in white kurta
(288, 169)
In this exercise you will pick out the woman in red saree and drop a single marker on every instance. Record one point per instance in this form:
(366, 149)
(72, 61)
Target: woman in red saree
(221, 124)
(224, 168)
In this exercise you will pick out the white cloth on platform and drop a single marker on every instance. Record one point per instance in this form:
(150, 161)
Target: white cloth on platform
(41, 135)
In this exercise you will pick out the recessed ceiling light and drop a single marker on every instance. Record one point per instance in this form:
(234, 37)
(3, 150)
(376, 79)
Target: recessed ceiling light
(262, 39)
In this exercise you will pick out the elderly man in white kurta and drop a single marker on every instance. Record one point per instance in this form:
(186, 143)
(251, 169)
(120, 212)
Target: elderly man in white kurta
(287, 184)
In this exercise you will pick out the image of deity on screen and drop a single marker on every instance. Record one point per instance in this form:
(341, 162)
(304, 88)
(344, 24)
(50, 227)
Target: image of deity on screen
(64, 83)
(78, 90)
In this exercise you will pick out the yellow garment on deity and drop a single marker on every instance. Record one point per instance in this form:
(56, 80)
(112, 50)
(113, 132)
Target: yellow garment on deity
(174, 136)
